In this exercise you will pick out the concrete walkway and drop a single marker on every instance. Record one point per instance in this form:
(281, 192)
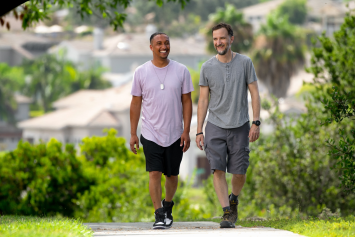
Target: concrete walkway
(193, 229)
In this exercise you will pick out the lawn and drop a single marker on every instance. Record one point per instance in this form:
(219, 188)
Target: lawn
(21, 226)
(312, 227)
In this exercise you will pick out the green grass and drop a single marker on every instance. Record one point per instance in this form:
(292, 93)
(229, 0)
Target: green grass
(21, 226)
(312, 227)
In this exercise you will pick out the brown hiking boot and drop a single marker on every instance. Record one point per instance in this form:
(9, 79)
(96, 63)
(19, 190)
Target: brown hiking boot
(234, 210)
(226, 221)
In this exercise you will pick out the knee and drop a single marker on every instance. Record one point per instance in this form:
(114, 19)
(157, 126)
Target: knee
(239, 176)
(172, 178)
(155, 175)
(219, 173)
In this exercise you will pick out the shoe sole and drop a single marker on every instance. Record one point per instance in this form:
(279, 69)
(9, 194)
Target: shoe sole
(159, 227)
(169, 226)
(227, 224)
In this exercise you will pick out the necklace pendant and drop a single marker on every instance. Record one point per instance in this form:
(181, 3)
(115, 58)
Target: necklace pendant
(162, 86)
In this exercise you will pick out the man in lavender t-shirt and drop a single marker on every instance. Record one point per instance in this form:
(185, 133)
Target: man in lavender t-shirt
(162, 88)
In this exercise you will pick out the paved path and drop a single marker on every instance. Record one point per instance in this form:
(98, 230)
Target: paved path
(191, 229)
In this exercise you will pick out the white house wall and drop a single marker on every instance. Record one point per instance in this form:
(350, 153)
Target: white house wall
(124, 119)
(36, 135)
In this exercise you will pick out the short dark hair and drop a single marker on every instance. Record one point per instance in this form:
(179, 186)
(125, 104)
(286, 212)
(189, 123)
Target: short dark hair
(155, 34)
(223, 25)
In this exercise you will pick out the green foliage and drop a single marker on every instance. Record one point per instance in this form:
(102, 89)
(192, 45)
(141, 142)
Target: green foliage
(106, 183)
(185, 28)
(25, 226)
(333, 67)
(174, 20)
(11, 80)
(243, 34)
(278, 53)
(120, 191)
(40, 180)
(296, 11)
(293, 168)
(39, 10)
(48, 79)
(51, 77)
(195, 77)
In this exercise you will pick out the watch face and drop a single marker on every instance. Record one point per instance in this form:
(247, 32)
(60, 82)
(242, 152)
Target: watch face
(257, 123)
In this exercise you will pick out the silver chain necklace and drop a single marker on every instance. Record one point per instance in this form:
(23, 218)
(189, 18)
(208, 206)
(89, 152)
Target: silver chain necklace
(161, 83)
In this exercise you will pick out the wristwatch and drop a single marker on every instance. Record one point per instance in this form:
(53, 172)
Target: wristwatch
(257, 122)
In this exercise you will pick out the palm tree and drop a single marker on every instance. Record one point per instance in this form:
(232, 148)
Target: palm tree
(53, 77)
(243, 32)
(278, 53)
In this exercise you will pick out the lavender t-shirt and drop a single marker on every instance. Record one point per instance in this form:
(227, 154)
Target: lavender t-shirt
(162, 109)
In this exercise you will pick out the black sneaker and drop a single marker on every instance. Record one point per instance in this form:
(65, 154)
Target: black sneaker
(160, 216)
(234, 209)
(226, 221)
(169, 210)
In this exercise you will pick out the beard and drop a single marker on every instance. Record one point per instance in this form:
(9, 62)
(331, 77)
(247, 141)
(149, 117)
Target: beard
(224, 51)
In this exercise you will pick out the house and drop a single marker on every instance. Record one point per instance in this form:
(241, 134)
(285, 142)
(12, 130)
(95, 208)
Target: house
(10, 135)
(323, 15)
(16, 46)
(81, 114)
(122, 53)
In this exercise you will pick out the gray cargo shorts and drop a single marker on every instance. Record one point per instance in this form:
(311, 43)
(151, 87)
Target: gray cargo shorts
(227, 148)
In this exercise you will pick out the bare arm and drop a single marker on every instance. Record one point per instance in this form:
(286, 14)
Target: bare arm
(255, 103)
(187, 114)
(201, 114)
(135, 111)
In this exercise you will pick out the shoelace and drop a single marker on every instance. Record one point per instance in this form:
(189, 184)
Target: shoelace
(226, 215)
(159, 217)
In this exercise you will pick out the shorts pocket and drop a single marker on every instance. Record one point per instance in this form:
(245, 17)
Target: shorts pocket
(247, 149)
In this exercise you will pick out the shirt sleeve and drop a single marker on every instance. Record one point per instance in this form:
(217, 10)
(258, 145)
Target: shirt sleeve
(187, 85)
(251, 74)
(136, 85)
(203, 78)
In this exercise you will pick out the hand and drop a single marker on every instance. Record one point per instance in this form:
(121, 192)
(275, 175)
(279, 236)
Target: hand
(134, 141)
(185, 140)
(254, 133)
(200, 141)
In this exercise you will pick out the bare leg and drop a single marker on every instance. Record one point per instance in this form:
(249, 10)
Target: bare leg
(171, 184)
(221, 187)
(238, 181)
(155, 188)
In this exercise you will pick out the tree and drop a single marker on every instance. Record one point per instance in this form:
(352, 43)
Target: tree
(176, 21)
(33, 11)
(52, 77)
(333, 67)
(49, 79)
(278, 53)
(243, 34)
(296, 11)
(11, 80)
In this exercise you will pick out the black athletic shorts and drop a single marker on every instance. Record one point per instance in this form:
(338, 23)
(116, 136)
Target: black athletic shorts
(164, 159)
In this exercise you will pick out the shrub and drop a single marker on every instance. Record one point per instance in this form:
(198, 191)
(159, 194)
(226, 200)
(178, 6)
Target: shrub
(40, 179)
(293, 167)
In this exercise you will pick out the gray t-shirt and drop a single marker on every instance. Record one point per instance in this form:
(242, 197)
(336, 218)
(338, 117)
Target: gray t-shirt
(228, 84)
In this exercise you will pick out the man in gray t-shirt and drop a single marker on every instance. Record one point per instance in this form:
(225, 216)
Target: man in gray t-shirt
(226, 78)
